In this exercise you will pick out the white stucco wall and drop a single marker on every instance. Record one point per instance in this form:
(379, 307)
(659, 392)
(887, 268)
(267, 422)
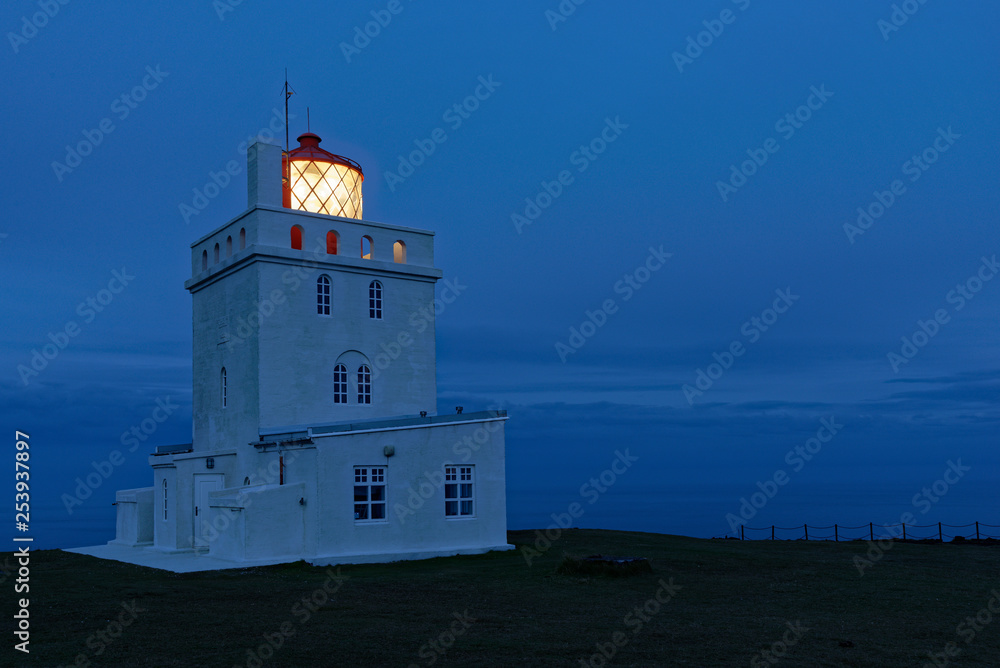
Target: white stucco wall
(134, 521)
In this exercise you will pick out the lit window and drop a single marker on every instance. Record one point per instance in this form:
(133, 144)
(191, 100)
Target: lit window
(375, 300)
(364, 384)
(458, 498)
(399, 252)
(369, 493)
(296, 237)
(164, 500)
(229, 246)
(216, 260)
(340, 384)
(243, 238)
(323, 295)
(204, 260)
(366, 247)
(331, 243)
(224, 388)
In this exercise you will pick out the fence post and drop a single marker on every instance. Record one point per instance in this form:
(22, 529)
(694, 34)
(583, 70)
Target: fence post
(871, 532)
(904, 530)
(806, 526)
(940, 535)
(741, 532)
(977, 530)
(836, 538)
(772, 532)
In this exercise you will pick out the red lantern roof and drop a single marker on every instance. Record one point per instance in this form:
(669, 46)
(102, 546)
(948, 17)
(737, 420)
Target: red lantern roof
(309, 150)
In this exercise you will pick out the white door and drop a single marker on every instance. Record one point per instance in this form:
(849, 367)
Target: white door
(203, 484)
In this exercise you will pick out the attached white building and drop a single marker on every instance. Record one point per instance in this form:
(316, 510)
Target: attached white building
(315, 429)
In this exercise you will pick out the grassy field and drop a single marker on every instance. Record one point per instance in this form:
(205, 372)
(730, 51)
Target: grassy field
(726, 603)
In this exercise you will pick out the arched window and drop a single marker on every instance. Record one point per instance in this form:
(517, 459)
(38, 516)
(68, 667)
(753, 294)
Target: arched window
(364, 384)
(164, 500)
(331, 242)
(375, 300)
(243, 238)
(297, 237)
(216, 260)
(399, 252)
(367, 247)
(204, 260)
(340, 384)
(246, 481)
(323, 295)
(229, 246)
(224, 389)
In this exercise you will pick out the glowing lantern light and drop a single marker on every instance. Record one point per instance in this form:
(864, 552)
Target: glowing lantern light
(320, 182)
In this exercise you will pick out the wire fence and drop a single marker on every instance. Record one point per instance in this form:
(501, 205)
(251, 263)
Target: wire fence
(903, 531)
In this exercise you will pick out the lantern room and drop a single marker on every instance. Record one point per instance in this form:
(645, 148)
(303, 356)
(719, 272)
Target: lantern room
(320, 182)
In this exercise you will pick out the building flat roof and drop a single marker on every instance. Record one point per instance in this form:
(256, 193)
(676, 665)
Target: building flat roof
(333, 428)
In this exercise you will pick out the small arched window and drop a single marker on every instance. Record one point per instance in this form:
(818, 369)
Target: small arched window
(331, 242)
(164, 500)
(296, 237)
(243, 238)
(229, 246)
(223, 389)
(323, 295)
(399, 252)
(246, 481)
(367, 247)
(216, 260)
(375, 300)
(340, 384)
(364, 384)
(204, 260)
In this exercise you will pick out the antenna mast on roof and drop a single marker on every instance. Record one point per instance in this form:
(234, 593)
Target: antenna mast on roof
(288, 93)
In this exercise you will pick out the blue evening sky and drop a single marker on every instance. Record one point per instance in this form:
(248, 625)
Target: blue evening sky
(836, 106)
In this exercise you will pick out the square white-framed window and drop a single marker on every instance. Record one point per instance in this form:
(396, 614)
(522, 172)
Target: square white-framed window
(459, 491)
(369, 494)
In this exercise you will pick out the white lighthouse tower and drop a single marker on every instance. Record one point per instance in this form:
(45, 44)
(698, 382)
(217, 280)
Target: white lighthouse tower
(315, 430)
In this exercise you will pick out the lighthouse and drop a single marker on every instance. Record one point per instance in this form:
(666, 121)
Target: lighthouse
(315, 432)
